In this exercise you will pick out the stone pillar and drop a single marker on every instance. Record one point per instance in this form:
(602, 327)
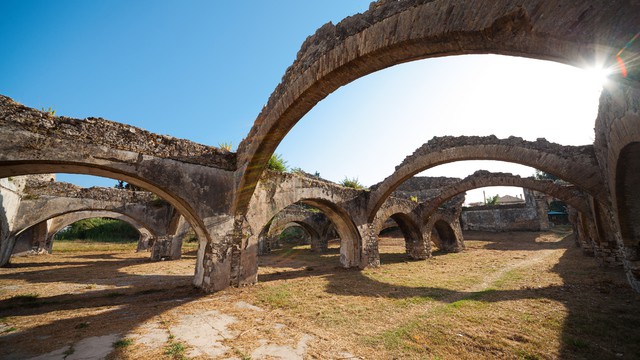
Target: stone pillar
(419, 249)
(33, 241)
(369, 252)
(145, 242)
(319, 244)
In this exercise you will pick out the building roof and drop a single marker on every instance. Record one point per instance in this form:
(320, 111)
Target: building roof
(508, 199)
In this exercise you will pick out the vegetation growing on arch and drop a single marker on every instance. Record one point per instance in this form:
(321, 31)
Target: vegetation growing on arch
(277, 163)
(226, 146)
(352, 183)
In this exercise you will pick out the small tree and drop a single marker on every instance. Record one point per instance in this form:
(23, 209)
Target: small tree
(492, 200)
(352, 183)
(277, 163)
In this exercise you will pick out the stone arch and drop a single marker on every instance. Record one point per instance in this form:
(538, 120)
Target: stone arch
(575, 164)
(401, 211)
(308, 229)
(266, 239)
(31, 143)
(394, 32)
(350, 240)
(567, 193)
(46, 208)
(414, 242)
(56, 223)
(277, 191)
(443, 236)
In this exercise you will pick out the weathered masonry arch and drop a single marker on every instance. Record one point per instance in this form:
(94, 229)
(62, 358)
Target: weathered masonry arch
(179, 171)
(60, 222)
(394, 32)
(575, 164)
(444, 237)
(567, 193)
(315, 224)
(414, 242)
(43, 233)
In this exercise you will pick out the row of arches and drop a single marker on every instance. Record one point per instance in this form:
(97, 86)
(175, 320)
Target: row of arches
(221, 199)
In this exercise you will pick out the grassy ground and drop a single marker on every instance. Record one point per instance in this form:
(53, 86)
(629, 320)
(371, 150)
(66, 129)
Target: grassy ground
(509, 295)
(71, 246)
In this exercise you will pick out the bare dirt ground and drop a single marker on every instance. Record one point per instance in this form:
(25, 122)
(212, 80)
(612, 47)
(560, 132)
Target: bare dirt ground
(508, 295)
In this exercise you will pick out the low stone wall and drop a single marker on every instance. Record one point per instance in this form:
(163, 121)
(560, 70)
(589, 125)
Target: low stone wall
(501, 218)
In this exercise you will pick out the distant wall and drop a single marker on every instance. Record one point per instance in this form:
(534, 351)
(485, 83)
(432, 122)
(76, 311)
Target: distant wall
(502, 218)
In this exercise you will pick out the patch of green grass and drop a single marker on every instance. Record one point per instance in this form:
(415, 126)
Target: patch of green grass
(242, 355)
(71, 246)
(122, 343)
(11, 329)
(175, 350)
(412, 301)
(278, 296)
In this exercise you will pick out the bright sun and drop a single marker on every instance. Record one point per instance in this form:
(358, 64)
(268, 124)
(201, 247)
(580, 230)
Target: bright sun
(597, 76)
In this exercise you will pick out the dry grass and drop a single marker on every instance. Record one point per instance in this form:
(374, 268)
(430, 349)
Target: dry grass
(509, 295)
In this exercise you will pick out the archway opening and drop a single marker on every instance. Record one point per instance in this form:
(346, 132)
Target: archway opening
(443, 236)
(400, 239)
(310, 234)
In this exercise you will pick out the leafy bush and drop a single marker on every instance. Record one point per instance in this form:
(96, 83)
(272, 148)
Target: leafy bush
(352, 183)
(277, 163)
(99, 229)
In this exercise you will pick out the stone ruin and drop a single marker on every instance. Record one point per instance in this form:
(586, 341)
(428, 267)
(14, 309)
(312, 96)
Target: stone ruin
(228, 198)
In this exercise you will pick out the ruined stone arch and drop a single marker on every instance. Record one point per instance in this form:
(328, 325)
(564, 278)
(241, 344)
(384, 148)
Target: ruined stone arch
(569, 194)
(444, 236)
(39, 167)
(350, 240)
(56, 207)
(57, 223)
(576, 164)
(313, 229)
(394, 32)
(278, 191)
(307, 228)
(413, 239)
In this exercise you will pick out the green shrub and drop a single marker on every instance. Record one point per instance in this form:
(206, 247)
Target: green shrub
(352, 183)
(277, 163)
(226, 146)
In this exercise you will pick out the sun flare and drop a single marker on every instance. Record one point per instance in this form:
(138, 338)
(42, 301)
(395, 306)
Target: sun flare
(598, 76)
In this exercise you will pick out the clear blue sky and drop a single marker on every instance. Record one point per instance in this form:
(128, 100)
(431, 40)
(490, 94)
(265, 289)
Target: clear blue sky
(202, 70)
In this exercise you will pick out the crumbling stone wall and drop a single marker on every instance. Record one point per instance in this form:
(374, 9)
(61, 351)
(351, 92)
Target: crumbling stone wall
(530, 216)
